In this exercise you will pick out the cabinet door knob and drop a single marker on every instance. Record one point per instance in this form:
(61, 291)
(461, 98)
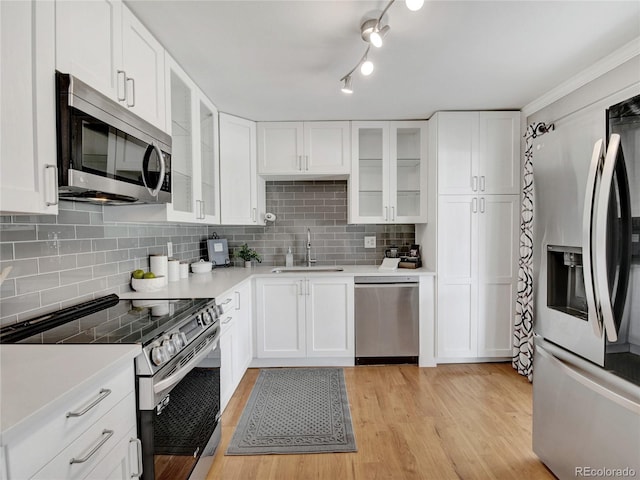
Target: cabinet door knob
(474, 183)
(481, 204)
(474, 205)
(482, 183)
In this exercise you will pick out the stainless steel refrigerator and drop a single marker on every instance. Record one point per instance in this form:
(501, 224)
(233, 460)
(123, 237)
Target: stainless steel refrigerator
(586, 377)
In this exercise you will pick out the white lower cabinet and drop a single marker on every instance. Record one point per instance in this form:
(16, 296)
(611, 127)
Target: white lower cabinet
(93, 449)
(124, 462)
(92, 434)
(235, 339)
(305, 318)
(477, 275)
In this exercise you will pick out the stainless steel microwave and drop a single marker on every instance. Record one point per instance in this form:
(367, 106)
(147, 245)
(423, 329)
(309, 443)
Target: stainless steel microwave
(106, 153)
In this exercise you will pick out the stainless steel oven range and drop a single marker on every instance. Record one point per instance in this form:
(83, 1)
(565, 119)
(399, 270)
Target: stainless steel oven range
(177, 373)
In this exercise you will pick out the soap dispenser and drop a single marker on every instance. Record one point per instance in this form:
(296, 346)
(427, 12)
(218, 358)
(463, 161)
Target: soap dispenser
(289, 261)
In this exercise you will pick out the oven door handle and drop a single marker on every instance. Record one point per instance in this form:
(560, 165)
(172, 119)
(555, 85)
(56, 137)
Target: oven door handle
(182, 372)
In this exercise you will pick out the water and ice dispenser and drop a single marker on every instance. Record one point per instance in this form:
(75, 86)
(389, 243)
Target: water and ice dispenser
(565, 281)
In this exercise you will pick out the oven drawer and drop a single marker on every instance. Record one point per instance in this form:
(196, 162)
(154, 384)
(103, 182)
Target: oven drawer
(27, 455)
(78, 459)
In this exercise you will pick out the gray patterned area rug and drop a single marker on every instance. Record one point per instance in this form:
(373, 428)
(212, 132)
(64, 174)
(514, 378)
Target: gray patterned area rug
(295, 410)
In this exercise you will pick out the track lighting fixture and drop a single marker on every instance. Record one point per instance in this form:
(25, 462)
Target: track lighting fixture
(346, 86)
(366, 68)
(415, 5)
(372, 31)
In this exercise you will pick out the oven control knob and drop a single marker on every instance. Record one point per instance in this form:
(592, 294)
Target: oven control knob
(159, 355)
(214, 313)
(170, 347)
(208, 317)
(178, 340)
(200, 320)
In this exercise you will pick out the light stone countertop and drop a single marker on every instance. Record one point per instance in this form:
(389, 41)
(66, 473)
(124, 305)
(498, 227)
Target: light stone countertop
(220, 280)
(36, 378)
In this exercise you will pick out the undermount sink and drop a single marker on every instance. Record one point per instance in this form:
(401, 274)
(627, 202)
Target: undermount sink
(307, 269)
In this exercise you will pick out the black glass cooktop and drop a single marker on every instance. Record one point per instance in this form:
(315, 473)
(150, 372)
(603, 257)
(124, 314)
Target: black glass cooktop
(105, 320)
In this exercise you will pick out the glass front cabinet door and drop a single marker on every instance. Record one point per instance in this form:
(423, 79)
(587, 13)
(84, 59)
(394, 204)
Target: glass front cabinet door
(389, 174)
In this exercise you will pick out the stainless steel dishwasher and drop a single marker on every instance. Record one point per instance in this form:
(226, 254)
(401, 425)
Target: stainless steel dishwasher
(386, 312)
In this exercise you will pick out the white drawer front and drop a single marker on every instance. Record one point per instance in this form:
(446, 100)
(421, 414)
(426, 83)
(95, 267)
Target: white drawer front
(86, 452)
(47, 439)
(124, 462)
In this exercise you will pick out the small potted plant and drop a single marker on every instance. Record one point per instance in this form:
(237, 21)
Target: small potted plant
(247, 254)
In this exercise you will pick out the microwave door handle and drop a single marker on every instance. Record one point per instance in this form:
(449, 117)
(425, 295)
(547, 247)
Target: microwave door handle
(588, 220)
(606, 307)
(145, 168)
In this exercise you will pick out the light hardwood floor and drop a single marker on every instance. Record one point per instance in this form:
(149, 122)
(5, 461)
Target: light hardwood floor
(470, 421)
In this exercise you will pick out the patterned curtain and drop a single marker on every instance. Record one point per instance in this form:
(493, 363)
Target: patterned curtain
(523, 328)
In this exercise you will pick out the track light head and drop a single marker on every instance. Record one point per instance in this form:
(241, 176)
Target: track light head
(367, 28)
(366, 68)
(375, 38)
(372, 32)
(347, 84)
(414, 5)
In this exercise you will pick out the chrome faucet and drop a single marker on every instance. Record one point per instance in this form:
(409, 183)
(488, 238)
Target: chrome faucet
(309, 259)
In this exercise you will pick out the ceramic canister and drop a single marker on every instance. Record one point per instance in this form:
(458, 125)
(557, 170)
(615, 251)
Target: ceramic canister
(184, 270)
(174, 270)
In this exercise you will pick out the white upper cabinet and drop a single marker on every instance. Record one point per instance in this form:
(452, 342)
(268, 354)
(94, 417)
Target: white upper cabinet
(195, 164)
(481, 152)
(388, 181)
(304, 149)
(143, 64)
(88, 43)
(28, 179)
(103, 44)
(242, 192)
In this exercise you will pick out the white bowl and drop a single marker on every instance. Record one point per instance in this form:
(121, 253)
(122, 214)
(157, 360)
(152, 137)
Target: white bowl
(147, 284)
(201, 267)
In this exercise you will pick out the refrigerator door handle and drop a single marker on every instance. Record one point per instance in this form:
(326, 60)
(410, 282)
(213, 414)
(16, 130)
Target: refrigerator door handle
(588, 221)
(606, 307)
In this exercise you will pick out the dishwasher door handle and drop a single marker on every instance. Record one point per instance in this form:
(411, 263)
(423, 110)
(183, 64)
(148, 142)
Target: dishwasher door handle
(386, 285)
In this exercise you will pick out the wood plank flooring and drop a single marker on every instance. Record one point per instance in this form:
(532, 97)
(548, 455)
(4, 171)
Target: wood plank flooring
(470, 422)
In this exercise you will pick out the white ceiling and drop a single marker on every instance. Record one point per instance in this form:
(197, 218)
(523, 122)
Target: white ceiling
(282, 60)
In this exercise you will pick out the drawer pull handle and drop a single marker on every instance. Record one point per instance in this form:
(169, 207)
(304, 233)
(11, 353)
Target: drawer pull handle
(106, 436)
(227, 320)
(104, 393)
(139, 457)
(227, 301)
